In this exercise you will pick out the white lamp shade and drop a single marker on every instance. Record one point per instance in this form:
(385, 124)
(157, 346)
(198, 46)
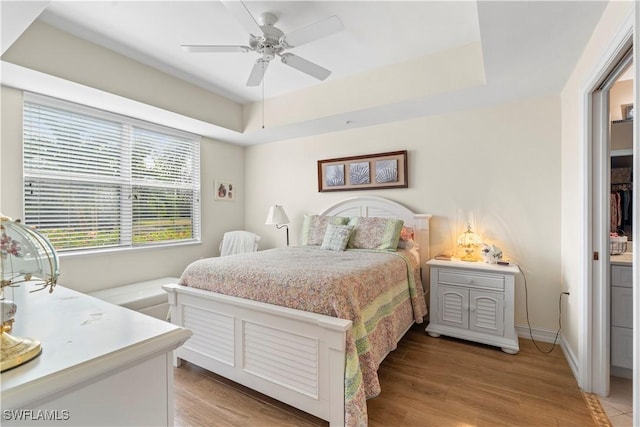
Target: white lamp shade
(469, 239)
(277, 216)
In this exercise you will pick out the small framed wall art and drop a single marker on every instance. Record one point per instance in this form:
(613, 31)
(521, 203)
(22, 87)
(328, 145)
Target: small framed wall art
(372, 171)
(224, 190)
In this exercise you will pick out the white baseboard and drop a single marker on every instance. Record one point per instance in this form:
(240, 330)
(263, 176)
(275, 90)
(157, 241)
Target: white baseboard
(617, 371)
(542, 335)
(547, 336)
(572, 360)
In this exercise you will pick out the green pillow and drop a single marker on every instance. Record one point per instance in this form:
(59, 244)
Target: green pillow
(336, 237)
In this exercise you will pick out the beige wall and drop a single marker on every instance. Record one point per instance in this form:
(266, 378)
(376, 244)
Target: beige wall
(573, 148)
(54, 52)
(91, 272)
(97, 271)
(498, 165)
(44, 48)
(449, 71)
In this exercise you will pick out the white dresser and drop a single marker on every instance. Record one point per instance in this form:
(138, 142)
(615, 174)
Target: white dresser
(473, 301)
(101, 364)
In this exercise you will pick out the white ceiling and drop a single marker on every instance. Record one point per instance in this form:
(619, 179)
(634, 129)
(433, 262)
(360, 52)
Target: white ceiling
(376, 33)
(529, 48)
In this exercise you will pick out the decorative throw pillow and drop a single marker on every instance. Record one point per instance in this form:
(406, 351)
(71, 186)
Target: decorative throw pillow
(407, 238)
(314, 227)
(375, 233)
(336, 237)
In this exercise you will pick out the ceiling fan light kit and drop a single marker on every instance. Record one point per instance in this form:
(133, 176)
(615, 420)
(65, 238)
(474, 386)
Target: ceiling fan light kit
(269, 41)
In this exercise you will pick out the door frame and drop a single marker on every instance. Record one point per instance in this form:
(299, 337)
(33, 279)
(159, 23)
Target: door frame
(594, 333)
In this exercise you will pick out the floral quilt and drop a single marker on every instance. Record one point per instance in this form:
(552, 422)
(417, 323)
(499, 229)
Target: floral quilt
(380, 292)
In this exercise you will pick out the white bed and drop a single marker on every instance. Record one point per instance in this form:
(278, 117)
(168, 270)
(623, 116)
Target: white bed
(234, 337)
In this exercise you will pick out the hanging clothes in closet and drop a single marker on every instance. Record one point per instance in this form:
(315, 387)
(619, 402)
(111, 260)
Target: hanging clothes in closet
(620, 207)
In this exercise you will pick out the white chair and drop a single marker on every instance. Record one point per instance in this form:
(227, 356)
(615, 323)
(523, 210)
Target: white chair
(238, 242)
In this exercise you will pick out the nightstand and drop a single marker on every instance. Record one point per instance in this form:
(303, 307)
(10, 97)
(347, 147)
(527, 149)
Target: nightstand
(473, 301)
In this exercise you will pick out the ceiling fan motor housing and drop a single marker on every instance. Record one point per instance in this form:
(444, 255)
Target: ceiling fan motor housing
(269, 43)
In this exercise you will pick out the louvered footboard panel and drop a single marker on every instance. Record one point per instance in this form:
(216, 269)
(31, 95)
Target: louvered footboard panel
(290, 360)
(294, 356)
(215, 336)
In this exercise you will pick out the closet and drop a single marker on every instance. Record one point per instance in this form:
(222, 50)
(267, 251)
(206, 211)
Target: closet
(621, 176)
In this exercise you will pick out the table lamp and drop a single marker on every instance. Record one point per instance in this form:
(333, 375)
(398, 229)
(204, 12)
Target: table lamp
(26, 256)
(469, 241)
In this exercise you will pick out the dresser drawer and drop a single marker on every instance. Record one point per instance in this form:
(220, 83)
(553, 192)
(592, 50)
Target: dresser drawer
(622, 307)
(622, 275)
(622, 347)
(472, 279)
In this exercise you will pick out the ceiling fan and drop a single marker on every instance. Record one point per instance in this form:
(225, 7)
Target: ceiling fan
(269, 41)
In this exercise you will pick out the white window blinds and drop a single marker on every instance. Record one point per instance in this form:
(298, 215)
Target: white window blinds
(94, 179)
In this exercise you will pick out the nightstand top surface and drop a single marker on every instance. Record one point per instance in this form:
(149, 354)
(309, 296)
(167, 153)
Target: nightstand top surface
(482, 266)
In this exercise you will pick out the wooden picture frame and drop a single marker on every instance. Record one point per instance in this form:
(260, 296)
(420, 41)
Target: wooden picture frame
(368, 172)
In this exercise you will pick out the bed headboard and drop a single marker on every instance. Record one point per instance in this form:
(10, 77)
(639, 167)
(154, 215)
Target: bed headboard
(371, 206)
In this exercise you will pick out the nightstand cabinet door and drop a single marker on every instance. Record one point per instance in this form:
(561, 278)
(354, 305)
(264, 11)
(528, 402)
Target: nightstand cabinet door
(473, 301)
(486, 312)
(453, 303)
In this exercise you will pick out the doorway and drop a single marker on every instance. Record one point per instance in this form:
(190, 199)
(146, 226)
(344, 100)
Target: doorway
(611, 232)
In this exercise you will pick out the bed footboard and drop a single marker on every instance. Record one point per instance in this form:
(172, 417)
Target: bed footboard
(294, 356)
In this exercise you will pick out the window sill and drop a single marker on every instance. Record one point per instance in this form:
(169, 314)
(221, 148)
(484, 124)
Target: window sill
(107, 251)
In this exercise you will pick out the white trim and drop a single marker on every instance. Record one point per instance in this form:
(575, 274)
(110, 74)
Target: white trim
(102, 113)
(588, 370)
(622, 152)
(542, 335)
(570, 356)
(26, 79)
(599, 296)
(636, 230)
(119, 249)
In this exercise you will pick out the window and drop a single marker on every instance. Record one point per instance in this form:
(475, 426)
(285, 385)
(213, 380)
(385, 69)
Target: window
(96, 180)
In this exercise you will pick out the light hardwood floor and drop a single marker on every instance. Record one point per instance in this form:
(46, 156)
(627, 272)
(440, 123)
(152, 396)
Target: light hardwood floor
(425, 382)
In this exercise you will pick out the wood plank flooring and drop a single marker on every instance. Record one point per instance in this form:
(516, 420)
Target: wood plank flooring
(425, 382)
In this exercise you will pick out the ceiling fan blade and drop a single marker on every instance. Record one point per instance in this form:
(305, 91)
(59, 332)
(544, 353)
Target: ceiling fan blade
(242, 14)
(257, 72)
(305, 66)
(209, 48)
(316, 31)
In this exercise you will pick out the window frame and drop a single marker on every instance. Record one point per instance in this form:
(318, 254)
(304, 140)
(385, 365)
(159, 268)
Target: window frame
(127, 183)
